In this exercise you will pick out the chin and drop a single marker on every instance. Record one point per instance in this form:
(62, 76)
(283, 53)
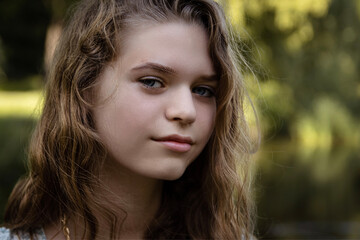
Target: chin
(169, 173)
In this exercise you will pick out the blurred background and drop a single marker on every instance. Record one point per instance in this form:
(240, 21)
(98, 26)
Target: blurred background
(305, 55)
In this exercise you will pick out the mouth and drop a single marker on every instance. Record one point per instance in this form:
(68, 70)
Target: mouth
(176, 143)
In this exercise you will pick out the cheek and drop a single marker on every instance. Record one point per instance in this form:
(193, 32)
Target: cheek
(206, 118)
(134, 109)
(134, 116)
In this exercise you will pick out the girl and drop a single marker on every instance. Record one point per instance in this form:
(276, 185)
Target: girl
(143, 132)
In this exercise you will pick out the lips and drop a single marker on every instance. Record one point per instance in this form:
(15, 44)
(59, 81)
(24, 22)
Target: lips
(176, 143)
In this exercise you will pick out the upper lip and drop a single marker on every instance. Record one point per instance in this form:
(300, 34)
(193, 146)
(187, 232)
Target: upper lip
(176, 138)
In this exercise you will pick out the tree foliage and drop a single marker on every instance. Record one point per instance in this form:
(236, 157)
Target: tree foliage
(311, 52)
(23, 29)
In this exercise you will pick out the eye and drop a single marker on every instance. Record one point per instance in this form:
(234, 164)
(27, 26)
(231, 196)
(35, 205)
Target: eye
(204, 91)
(151, 82)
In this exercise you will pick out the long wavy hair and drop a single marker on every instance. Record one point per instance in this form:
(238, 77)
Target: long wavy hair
(211, 200)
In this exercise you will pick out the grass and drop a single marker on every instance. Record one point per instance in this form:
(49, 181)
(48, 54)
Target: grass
(15, 132)
(20, 104)
(19, 111)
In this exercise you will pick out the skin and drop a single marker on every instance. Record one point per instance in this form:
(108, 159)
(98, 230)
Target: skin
(149, 103)
(162, 84)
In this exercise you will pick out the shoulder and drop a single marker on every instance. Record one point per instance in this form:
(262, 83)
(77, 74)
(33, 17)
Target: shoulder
(7, 234)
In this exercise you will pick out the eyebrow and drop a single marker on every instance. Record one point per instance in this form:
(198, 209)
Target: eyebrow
(155, 66)
(168, 70)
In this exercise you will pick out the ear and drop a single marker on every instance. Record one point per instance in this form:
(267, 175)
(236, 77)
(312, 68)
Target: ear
(88, 96)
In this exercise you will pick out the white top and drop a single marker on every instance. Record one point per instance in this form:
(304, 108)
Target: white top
(7, 234)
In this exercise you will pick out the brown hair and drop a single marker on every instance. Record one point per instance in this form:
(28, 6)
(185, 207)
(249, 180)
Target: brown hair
(211, 200)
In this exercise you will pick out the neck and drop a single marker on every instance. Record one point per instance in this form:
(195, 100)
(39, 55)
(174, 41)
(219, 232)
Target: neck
(134, 199)
(138, 196)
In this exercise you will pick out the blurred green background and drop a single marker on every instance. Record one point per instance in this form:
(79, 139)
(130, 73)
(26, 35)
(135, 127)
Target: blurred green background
(305, 55)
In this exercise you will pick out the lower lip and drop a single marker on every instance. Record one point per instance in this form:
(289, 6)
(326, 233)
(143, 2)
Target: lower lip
(176, 146)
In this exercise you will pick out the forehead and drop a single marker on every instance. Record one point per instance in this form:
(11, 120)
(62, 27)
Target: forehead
(182, 46)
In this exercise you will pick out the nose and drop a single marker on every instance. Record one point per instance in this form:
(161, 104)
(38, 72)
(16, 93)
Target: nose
(180, 107)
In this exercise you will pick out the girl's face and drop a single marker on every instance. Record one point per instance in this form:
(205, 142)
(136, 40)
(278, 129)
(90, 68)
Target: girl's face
(156, 104)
